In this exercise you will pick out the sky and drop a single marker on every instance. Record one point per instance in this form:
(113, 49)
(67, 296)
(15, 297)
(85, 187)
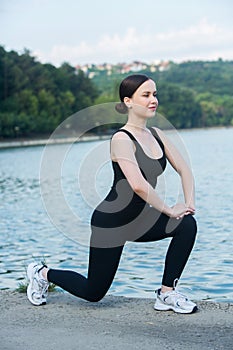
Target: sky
(100, 31)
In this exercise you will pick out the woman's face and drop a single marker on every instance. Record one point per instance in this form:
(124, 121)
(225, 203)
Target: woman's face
(144, 102)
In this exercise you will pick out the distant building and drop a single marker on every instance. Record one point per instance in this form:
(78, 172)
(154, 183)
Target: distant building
(123, 68)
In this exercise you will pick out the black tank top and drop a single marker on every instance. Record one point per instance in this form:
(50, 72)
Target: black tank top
(122, 204)
(151, 168)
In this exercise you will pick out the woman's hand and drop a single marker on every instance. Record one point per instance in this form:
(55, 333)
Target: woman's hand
(179, 210)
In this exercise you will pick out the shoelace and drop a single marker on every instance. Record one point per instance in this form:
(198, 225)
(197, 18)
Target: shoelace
(43, 287)
(177, 296)
(43, 284)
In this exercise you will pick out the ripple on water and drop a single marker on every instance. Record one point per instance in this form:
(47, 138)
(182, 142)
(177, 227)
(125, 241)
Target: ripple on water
(28, 235)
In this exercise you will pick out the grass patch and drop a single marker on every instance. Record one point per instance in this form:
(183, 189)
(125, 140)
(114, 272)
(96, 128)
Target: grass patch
(22, 286)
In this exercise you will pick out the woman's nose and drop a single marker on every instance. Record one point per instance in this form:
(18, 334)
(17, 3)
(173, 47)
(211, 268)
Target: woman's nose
(155, 100)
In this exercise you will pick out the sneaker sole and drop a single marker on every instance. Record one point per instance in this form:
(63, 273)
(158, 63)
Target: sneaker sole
(178, 311)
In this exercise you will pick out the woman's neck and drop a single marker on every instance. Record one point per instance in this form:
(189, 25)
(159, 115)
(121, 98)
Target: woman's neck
(137, 123)
(137, 126)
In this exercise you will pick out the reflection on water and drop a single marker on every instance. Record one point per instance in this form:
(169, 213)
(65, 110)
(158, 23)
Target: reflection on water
(27, 232)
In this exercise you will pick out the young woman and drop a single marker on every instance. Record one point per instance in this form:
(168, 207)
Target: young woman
(132, 210)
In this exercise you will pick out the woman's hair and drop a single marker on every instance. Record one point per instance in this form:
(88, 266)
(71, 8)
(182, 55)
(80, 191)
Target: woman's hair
(127, 88)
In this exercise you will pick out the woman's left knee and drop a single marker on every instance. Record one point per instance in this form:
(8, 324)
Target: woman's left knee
(189, 225)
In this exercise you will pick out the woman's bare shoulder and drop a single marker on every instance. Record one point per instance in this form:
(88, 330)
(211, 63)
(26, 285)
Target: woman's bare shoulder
(157, 129)
(159, 132)
(120, 135)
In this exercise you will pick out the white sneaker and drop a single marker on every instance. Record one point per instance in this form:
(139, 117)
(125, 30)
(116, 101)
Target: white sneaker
(173, 300)
(37, 289)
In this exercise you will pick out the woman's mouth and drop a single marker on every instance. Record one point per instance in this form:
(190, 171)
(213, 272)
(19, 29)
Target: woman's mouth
(152, 108)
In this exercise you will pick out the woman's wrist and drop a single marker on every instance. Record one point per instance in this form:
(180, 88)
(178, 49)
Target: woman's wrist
(190, 205)
(167, 210)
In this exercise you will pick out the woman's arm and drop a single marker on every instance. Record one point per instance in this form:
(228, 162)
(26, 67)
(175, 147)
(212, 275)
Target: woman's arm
(123, 151)
(182, 168)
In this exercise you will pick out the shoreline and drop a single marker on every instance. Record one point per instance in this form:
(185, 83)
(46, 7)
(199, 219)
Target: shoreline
(67, 322)
(44, 141)
(48, 141)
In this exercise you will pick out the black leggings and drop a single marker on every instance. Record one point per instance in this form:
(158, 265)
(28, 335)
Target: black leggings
(103, 262)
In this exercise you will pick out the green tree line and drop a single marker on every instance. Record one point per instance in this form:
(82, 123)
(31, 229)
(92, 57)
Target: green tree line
(209, 86)
(190, 94)
(35, 98)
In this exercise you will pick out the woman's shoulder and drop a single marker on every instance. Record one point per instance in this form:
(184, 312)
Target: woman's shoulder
(156, 129)
(121, 134)
(158, 132)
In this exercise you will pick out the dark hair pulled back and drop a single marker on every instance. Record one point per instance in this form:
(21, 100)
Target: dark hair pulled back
(127, 88)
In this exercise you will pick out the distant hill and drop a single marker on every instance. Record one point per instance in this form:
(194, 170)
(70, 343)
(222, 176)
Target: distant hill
(212, 76)
(35, 98)
(191, 94)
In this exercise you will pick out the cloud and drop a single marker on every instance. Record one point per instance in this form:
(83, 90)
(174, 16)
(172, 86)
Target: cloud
(201, 41)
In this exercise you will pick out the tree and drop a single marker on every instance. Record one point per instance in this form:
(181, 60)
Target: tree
(179, 106)
(35, 97)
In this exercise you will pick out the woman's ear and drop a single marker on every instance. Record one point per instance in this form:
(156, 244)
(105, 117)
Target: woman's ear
(127, 102)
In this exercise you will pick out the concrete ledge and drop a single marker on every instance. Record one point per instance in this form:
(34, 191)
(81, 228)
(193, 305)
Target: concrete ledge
(123, 323)
(52, 141)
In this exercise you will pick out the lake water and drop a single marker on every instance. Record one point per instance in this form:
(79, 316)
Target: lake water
(28, 234)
